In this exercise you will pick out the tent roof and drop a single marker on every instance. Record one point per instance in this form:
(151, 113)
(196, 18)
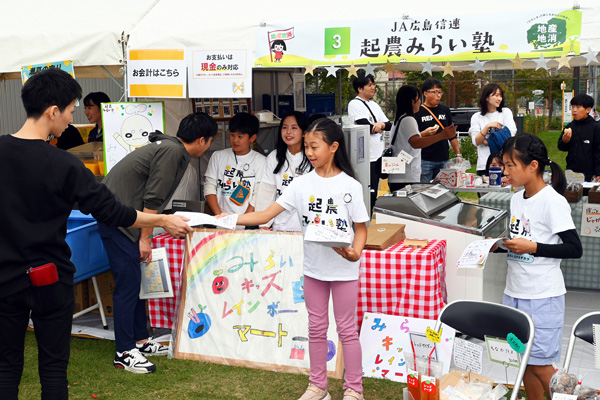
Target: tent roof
(38, 31)
(88, 33)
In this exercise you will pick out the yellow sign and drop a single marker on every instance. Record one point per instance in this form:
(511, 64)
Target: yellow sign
(157, 73)
(433, 336)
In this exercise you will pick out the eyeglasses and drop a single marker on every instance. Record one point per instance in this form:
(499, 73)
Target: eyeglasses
(436, 92)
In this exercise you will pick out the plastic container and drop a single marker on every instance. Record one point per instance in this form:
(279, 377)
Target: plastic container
(87, 251)
(495, 176)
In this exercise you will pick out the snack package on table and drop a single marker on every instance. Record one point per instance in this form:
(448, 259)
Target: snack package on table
(562, 382)
(412, 377)
(585, 392)
(430, 376)
(454, 173)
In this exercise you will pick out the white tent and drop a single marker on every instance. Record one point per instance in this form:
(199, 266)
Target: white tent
(88, 33)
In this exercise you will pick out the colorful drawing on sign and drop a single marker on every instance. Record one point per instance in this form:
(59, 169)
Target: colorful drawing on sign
(386, 338)
(199, 323)
(27, 71)
(128, 127)
(252, 284)
(277, 42)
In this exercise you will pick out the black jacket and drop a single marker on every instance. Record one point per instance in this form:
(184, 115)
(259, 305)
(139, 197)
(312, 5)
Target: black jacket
(40, 184)
(583, 148)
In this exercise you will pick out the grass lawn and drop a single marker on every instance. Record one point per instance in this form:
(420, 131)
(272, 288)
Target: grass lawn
(91, 372)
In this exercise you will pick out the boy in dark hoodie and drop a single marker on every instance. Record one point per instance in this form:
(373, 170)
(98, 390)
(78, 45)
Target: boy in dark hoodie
(145, 179)
(581, 139)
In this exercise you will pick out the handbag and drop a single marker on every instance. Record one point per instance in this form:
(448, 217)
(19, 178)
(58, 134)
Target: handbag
(496, 139)
(388, 152)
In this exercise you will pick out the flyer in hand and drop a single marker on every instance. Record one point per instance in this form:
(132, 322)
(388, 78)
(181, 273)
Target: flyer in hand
(327, 236)
(197, 218)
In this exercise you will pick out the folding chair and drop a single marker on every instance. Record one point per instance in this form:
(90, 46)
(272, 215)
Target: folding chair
(583, 329)
(481, 318)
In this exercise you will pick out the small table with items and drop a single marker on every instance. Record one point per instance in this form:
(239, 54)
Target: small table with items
(403, 281)
(398, 281)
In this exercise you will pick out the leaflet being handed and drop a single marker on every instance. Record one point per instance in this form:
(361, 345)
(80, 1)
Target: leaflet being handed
(196, 218)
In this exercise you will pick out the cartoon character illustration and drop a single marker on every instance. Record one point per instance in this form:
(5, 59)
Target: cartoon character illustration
(220, 283)
(199, 323)
(135, 129)
(278, 46)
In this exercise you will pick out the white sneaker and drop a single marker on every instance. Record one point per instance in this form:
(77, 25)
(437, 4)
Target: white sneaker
(133, 361)
(351, 394)
(152, 348)
(315, 393)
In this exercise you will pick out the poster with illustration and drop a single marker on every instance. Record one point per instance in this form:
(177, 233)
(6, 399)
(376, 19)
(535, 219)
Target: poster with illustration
(385, 339)
(242, 303)
(127, 127)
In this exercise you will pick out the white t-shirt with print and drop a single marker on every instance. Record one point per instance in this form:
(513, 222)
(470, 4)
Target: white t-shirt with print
(539, 218)
(478, 122)
(337, 202)
(358, 110)
(229, 170)
(287, 221)
(408, 128)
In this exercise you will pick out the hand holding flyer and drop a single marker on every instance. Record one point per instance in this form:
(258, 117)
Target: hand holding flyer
(327, 236)
(476, 253)
(196, 218)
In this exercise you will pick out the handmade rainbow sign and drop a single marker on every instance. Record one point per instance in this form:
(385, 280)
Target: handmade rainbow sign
(385, 339)
(242, 302)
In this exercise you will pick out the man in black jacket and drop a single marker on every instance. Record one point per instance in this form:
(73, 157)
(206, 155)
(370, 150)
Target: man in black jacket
(581, 139)
(40, 184)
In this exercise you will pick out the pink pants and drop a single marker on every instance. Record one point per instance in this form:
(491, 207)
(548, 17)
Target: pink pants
(345, 295)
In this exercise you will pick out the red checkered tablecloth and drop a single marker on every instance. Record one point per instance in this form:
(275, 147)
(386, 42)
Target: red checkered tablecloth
(403, 281)
(162, 311)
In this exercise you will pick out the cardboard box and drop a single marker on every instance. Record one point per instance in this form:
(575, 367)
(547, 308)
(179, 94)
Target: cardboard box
(82, 296)
(382, 236)
(106, 287)
(453, 178)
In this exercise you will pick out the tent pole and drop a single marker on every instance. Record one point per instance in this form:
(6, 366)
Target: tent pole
(123, 43)
(111, 77)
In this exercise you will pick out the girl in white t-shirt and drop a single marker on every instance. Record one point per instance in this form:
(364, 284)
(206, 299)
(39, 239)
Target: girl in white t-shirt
(283, 165)
(493, 115)
(331, 196)
(542, 233)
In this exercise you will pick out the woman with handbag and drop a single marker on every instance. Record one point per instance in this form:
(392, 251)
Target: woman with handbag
(406, 136)
(492, 125)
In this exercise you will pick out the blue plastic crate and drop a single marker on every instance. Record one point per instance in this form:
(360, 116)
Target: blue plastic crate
(320, 103)
(88, 253)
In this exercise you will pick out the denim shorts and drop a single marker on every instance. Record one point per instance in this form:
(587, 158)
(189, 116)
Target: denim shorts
(548, 315)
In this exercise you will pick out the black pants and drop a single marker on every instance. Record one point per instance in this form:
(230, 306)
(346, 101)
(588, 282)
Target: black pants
(52, 315)
(374, 182)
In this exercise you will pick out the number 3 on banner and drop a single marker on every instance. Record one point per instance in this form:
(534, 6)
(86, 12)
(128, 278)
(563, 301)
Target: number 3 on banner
(337, 41)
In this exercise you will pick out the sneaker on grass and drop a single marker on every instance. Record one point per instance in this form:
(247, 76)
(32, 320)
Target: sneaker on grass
(315, 393)
(133, 361)
(152, 348)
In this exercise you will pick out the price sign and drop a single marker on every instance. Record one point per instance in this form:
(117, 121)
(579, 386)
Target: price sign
(500, 351)
(564, 396)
